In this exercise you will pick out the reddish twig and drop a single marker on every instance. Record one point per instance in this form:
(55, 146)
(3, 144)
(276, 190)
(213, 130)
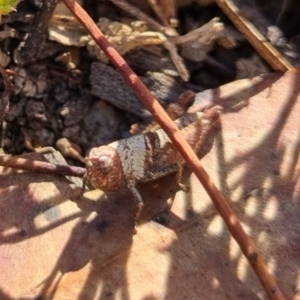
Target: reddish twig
(4, 106)
(40, 166)
(246, 244)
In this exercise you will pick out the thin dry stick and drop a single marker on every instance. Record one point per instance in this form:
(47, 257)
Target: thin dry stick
(255, 38)
(40, 166)
(169, 8)
(156, 8)
(246, 244)
(173, 9)
(177, 60)
(139, 14)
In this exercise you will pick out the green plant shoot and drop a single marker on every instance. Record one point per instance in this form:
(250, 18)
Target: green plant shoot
(7, 6)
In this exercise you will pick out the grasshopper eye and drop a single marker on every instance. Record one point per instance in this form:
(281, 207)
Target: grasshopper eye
(105, 162)
(104, 169)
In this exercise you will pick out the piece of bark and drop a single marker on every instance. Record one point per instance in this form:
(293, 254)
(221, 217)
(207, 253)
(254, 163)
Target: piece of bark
(143, 61)
(109, 85)
(255, 38)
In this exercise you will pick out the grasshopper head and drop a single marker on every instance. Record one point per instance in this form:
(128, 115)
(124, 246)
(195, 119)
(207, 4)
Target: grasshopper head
(104, 169)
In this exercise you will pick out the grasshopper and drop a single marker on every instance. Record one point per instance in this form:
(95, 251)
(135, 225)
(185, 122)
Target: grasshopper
(147, 156)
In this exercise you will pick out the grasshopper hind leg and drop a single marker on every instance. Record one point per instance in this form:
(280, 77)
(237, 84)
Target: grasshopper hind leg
(138, 199)
(184, 187)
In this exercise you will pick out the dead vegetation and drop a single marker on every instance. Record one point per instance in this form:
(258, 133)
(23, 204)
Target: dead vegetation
(70, 95)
